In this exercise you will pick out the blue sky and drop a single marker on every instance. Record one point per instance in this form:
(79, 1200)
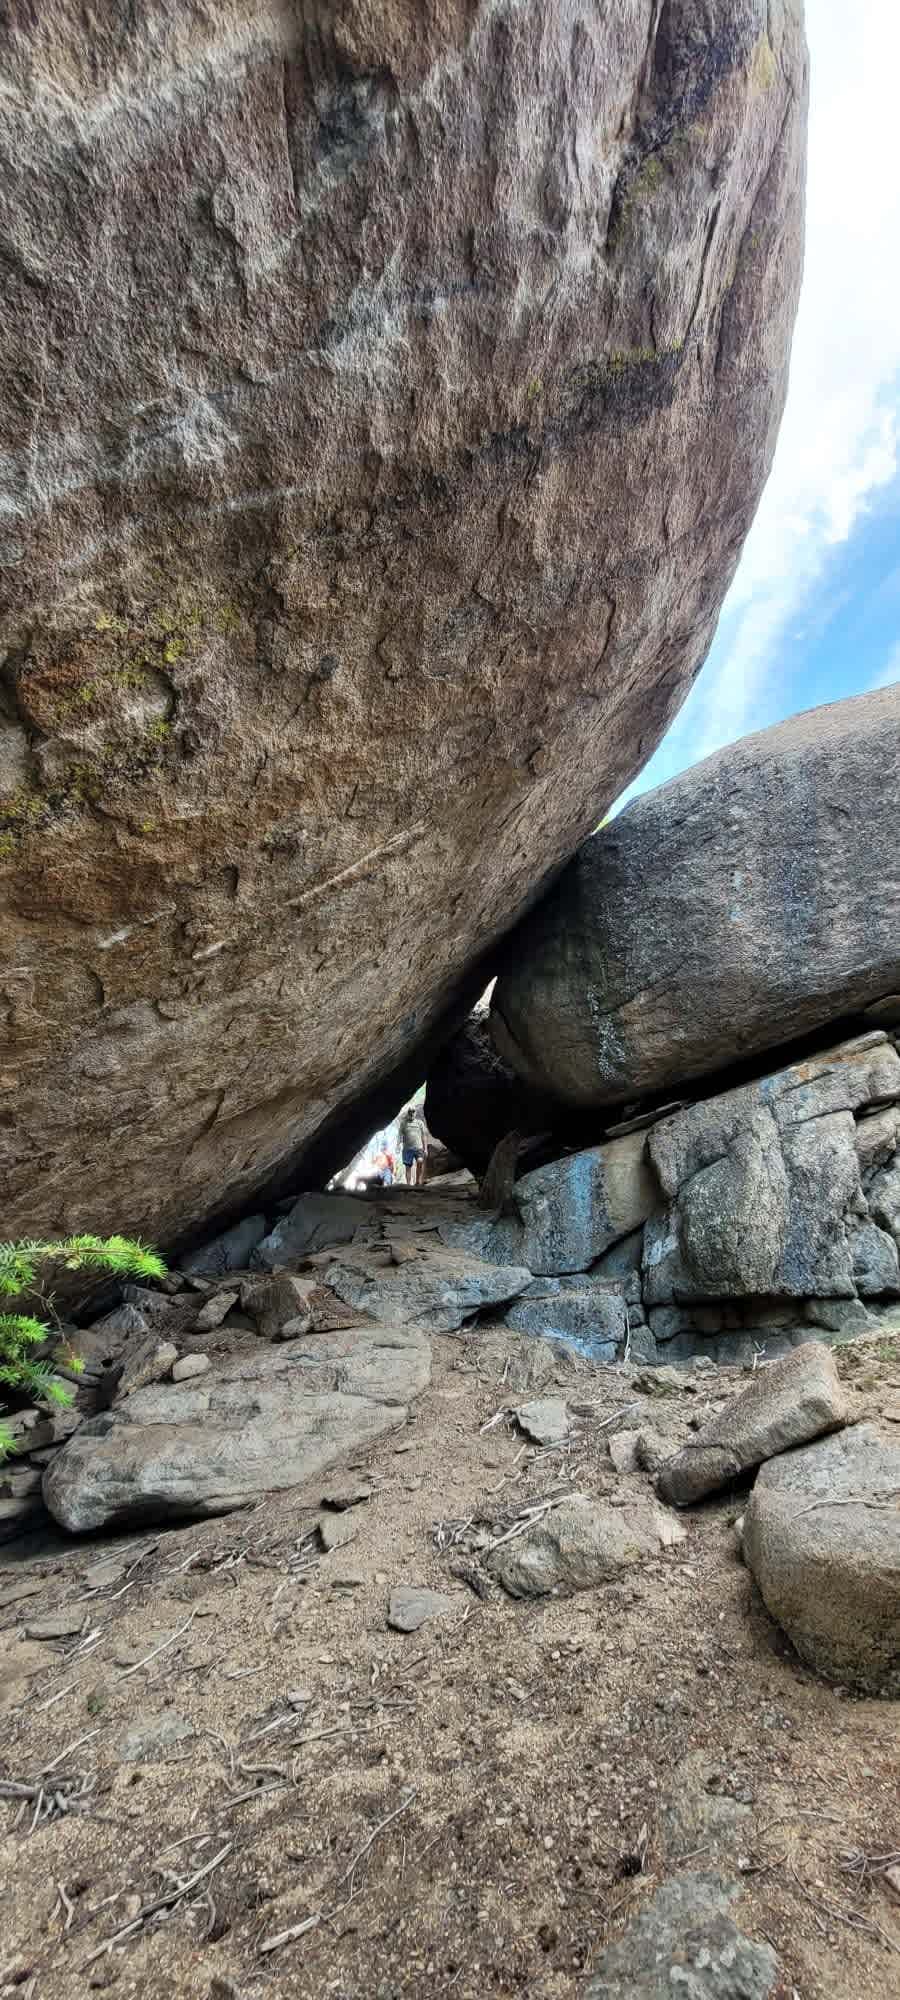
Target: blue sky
(813, 613)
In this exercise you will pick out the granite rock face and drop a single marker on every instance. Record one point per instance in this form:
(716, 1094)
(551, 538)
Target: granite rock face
(763, 1185)
(734, 909)
(564, 1215)
(387, 393)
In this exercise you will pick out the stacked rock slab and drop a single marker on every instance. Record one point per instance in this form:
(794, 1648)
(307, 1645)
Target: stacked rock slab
(387, 392)
(736, 1225)
(731, 911)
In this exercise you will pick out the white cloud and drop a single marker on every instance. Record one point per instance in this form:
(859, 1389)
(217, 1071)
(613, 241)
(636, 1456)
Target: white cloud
(840, 438)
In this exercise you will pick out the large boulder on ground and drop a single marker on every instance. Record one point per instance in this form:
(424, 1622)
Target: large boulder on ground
(786, 1404)
(387, 391)
(822, 1538)
(258, 1424)
(745, 903)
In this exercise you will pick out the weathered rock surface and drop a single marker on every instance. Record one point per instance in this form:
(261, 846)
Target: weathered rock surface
(763, 1183)
(822, 1538)
(786, 1404)
(564, 1215)
(316, 1222)
(255, 1425)
(438, 1291)
(229, 1252)
(753, 876)
(579, 1544)
(587, 1313)
(685, 1942)
(387, 397)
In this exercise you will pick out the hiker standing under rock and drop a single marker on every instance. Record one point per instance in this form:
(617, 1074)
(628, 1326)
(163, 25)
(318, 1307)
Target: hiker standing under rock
(413, 1145)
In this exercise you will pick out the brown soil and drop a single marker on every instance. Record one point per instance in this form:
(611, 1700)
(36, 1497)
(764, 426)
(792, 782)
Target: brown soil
(474, 1809)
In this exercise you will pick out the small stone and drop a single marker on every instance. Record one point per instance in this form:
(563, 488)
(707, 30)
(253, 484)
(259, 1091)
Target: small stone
(151, 1735)
(545, 1420)
(275, 1302)
(335, 1531)
(15, 1593)
(57, 1624)
(398, 1448)
(341, 1498)
(20, 1484)
(623, 1450)
(131, 1907)
(102, 1574)
(411, 1607)
(650, 1451)
(788, 1403)
(347, 1579)
(212, 1314)
(189, 1366)
(664, 1381)
(670, 1530)
(298, 1697)
(148, 1362)
(16, 1514)
(891, 1880)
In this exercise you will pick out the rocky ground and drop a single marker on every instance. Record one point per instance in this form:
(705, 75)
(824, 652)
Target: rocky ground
(227, 1774)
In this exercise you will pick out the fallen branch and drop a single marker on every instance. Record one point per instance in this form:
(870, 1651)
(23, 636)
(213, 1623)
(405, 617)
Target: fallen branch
(402, 1808)
(164, 1902)
(163, 1648)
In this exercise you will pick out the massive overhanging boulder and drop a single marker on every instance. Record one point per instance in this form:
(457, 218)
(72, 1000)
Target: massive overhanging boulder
(386, 395)
(743, 905)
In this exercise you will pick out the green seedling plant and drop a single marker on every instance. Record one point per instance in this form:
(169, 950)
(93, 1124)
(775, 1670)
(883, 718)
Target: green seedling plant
(22, 1333)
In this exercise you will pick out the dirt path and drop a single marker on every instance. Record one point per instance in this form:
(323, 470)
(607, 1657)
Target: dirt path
(472, 1809)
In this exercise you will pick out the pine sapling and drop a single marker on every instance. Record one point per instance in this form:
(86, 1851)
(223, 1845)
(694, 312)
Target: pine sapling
(21, 1334)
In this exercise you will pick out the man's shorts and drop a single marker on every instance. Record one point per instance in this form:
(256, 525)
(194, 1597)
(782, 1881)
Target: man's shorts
(410, 1156)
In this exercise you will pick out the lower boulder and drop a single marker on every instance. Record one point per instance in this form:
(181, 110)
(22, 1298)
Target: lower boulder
(822, 1538)
(262, 1423)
